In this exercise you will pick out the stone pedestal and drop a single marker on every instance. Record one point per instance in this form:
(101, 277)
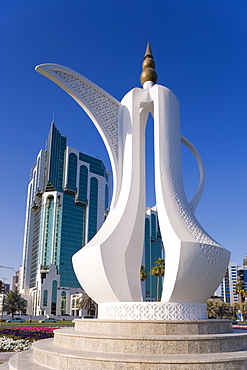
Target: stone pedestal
(144, 345)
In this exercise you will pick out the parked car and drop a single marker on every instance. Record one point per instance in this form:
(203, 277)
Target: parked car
(50, 319)
(16, 320)
(65, 316)
(88, 317)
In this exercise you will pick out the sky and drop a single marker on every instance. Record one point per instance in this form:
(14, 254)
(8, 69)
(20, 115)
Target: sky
(199, 48)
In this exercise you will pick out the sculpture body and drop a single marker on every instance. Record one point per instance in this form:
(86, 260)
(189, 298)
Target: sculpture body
(194, 255)
(108, 266)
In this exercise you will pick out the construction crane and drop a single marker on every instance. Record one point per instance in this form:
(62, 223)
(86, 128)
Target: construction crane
(6, 267)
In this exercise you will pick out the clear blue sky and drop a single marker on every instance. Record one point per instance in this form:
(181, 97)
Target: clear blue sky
(200, 50)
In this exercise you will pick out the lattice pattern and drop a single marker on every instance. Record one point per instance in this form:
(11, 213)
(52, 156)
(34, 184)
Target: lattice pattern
(194, 228)
(105, 110)
(152, 311)
(212, 253)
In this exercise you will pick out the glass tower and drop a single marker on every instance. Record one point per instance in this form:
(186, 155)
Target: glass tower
(67, 203)
(153, 249)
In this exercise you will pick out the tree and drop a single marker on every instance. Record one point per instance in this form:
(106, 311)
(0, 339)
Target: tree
(239, 290)
(224, 310)
(218, 309)
(143, 274)
(87, 303)
(14, 302)
(211, 309)
(158, 270)
(244, 310)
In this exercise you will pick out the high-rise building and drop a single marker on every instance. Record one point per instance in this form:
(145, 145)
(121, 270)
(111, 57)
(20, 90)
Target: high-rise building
(153, 249)
(16, 280)
(229, 283)
(225, 288)
(67, 203)
(242, 277)
(245, 261)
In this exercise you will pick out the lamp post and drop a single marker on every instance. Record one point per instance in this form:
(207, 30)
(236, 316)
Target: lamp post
(2, 310)
(4, 267)
(2, 294)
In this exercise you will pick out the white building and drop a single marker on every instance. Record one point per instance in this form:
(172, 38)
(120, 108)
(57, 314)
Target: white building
(229, 283)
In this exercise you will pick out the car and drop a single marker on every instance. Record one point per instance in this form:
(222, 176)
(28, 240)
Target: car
(16, 320)
(65, 316)
(88, 317)
(48, 320)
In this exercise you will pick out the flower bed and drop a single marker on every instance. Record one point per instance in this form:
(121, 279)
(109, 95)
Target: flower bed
(21, 339)
(239, 327)
(10, 344)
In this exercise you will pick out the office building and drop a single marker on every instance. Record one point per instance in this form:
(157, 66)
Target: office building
(228, 285)
(67, 203)
(225, 289)
(153, 249)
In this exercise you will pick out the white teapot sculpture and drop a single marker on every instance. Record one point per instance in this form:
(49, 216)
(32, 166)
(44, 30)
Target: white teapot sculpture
(108, 266)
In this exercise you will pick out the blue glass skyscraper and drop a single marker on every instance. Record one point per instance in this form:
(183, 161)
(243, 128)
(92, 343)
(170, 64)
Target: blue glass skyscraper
(67, 202)
(153, 249)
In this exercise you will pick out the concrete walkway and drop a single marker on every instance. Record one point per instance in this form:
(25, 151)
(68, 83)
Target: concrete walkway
(5, 356)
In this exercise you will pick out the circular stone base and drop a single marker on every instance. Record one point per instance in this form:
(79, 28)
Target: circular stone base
(152, 311)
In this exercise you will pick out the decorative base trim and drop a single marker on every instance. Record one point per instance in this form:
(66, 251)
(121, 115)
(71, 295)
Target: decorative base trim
(152, 311)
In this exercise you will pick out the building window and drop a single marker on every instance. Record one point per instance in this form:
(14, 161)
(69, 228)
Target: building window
(93, 208)
(153, 226)
(83, 184)
(54, 297)
(106, 200)
(45, 296)
(73, 303)
(48, 231)
(72, 172)
(63, 303)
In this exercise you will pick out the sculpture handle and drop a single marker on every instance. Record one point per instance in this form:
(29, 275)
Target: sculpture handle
(196, 198)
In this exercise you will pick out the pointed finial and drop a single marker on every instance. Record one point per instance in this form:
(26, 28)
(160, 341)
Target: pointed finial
(148, 66)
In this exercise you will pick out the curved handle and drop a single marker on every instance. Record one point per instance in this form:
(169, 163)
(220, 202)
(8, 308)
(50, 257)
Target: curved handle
(195, 200)
(101, 107)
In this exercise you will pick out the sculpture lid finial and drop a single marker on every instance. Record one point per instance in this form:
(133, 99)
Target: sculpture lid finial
(148, 67)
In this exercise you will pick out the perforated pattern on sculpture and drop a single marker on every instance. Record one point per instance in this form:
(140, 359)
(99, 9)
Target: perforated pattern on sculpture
(105, 110)
(212, 254)
(194, 228)
(152, 311)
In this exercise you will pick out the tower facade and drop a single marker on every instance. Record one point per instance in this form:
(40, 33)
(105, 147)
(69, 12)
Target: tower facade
(153, 249)
(229, 283)
(67, 203)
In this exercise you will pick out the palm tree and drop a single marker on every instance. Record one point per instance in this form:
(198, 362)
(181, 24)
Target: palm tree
(224, 310)
(143, 274)
(239, 290)
(218, 309)
(87, 303)
(158, 270)
(244, 312)
(14, 302)
(211, 309)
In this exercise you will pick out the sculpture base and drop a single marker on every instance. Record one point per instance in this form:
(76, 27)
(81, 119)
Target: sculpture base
(138, 345)
(152, 311)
